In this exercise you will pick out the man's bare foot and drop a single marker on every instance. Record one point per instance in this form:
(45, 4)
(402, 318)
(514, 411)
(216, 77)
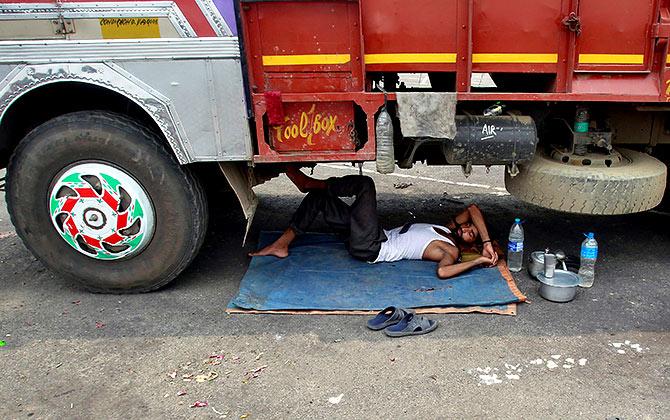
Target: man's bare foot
(273, 249)
(278, 248)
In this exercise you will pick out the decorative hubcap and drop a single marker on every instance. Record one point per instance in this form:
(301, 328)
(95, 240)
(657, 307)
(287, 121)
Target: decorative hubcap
(101, 211)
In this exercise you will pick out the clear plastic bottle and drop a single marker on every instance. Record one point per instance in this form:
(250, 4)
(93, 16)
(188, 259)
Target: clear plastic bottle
(587, 264)
(384, 134)
(515, 247)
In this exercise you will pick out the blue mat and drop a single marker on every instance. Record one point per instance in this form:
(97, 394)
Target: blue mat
(319, 274)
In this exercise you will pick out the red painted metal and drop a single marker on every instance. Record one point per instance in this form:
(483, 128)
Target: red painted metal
(505, 27)
(387, 30)
(464, 45)
(616, 27)
(294, 28)
(315, 126)
(625, 40)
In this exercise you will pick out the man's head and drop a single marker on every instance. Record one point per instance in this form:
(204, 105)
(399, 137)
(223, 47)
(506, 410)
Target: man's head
(467, 232)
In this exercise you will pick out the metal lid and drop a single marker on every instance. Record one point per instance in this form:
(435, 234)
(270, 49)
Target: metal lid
(561, 278)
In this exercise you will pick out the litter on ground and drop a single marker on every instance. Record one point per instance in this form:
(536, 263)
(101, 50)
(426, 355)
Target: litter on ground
(210, 376)
(254, 373)
(335, 400)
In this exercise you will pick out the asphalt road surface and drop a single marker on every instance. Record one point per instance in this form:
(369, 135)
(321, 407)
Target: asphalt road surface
(71, 354)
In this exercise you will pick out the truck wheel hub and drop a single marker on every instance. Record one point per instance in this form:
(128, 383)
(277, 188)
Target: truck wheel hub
(94, 218)
(600, 160)
(101, 211)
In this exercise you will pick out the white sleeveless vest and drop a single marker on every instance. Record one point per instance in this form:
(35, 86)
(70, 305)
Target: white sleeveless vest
(411, 244)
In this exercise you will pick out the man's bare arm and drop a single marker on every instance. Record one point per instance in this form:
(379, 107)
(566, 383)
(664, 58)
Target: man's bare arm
(474, 215)
(447, 269)
(304, 183)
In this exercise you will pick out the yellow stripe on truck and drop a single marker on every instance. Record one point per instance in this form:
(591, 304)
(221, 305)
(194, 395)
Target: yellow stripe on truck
(611, 58)
(306, 59)
(410, 58)
(500, 58)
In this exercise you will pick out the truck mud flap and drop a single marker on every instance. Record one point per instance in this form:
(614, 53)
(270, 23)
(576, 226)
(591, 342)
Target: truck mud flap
(239, 179)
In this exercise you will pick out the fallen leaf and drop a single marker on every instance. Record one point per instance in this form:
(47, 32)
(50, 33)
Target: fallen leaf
(335, 400)
(244, 416)
(199, 404)
(181, 392)
(210, 376)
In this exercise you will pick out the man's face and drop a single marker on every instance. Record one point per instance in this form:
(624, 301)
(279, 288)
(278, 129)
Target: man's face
(468, 233)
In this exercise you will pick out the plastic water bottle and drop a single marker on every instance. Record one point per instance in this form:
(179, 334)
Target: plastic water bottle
(384, 134)
(588, 259)
(515, 247)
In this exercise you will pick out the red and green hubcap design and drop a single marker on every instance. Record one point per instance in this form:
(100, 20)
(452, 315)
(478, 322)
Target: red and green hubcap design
(101, 211)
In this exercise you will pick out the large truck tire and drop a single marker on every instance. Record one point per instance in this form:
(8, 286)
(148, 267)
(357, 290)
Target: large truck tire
(97, 197)
(634, 186)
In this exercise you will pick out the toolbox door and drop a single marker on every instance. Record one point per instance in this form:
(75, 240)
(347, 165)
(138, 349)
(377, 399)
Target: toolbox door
(615, 35)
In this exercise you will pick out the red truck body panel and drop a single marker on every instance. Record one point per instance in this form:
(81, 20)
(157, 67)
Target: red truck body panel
(326, 51)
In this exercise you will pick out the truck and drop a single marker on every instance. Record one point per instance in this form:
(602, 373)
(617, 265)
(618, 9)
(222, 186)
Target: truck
(113, 115)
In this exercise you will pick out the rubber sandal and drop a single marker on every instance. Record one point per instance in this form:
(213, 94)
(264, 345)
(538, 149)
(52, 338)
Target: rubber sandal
(411, 324)
(386, 317)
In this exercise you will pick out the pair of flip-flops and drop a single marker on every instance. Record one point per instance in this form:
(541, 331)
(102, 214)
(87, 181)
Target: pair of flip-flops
(399, 322)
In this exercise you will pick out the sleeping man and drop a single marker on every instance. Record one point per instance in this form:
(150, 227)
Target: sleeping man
(367, 241)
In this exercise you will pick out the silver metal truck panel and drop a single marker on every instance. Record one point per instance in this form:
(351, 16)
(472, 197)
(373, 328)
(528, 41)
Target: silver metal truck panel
(192, 88)
(4, 71)
(208, 97)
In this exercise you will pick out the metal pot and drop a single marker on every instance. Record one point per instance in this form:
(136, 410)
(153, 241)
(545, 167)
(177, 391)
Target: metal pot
(536, 263)
(560, 288)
